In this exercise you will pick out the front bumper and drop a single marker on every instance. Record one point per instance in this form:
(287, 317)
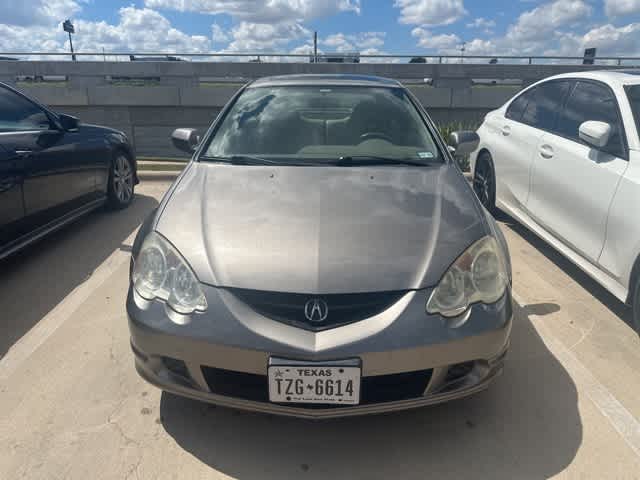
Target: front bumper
(176, 355)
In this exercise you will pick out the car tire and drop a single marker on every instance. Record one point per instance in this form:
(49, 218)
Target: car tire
(484, 181)
(636, 306)
(121, 182)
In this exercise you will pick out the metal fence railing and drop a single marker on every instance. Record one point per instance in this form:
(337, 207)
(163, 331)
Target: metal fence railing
(267, 57)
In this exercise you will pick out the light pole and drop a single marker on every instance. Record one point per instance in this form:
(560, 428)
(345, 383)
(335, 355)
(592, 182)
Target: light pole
(68, 27)
(462, 49)
(315, 47)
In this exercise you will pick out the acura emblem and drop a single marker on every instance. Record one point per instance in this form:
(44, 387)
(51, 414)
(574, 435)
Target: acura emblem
(316, 310)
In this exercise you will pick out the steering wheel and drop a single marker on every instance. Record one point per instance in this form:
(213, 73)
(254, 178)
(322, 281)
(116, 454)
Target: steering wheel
(374, 135)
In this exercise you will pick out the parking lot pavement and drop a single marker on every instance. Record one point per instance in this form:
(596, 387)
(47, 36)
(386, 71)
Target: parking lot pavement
(72, 406)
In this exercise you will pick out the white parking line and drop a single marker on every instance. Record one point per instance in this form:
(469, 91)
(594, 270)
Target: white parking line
(34, 338)
(620, 418)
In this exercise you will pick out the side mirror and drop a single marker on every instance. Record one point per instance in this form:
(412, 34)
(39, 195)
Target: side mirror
(595, 133)
(185, 139)
(68, 122)
(464, 142)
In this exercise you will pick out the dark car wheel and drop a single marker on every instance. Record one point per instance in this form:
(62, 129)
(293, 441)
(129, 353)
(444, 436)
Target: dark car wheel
(484, 182)
(121, 182)
(636, 306)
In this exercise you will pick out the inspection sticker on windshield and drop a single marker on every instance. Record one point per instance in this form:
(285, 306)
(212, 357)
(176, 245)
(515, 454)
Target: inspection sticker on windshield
(425, 154)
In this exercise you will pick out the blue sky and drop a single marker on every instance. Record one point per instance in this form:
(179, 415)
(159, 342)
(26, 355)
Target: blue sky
(527, 27)
(377, 15)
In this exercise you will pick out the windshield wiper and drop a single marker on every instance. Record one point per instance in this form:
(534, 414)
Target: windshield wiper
(239, 159)
(255, 160)
(348, 160)
(342, 161)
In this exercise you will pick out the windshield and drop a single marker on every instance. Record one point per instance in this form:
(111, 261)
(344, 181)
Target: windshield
(633, 92)
(316, 123)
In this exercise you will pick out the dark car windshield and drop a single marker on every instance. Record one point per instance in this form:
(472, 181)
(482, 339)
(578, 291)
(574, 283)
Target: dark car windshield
(306, 124)
(633, 92)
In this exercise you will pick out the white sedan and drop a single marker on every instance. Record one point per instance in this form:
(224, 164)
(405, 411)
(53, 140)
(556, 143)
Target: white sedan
(563, 158)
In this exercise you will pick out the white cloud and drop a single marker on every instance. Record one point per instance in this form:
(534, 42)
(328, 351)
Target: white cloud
(145, 29)
(615, 8)
(376, 51)
(372, 51)
(614, 40)
(608, 39)
(481, 23)
(479, 46)
(261, 11)
(218, 34)
(306, 49)
(430, 12)
(535, 31)
(37, 12)
(539, 23)
(338, 42)
(553, 28)
(366, 43)
(440, 42)
(341, 42)
(369, 40)
(15, 38)
(263, 24)
(137, 30)
(260, 37)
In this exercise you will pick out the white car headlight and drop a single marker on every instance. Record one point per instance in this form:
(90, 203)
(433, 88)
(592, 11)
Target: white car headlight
(478, 275)
(160, 272)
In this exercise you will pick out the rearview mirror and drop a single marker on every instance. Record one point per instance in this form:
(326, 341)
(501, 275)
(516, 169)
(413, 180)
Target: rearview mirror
(68, 122)
(185, 139)
(595, 133)
(464, 142)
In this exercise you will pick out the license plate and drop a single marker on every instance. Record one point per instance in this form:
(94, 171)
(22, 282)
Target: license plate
(304, 383)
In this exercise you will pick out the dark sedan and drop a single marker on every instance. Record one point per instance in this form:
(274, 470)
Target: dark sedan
(54, 169)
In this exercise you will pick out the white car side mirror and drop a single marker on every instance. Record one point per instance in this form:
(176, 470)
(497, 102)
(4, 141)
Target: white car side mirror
(595, 133)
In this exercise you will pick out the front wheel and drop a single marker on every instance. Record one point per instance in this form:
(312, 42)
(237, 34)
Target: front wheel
(121, 182)
(484, 182)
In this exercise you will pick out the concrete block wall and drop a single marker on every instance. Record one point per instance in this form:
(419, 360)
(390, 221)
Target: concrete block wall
(147, 100)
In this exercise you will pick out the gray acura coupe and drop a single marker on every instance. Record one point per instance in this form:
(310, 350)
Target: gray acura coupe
(320, 256)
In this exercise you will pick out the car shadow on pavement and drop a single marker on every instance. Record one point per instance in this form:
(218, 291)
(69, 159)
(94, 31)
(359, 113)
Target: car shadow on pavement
(38, 278)
(526, 425)
(614, 305)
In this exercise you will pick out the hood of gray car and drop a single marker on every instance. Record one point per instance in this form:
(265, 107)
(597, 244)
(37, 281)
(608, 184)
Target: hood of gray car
(321, 229)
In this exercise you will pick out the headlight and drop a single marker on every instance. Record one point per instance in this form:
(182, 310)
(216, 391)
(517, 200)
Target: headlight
(161, 273)
(478, 275)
